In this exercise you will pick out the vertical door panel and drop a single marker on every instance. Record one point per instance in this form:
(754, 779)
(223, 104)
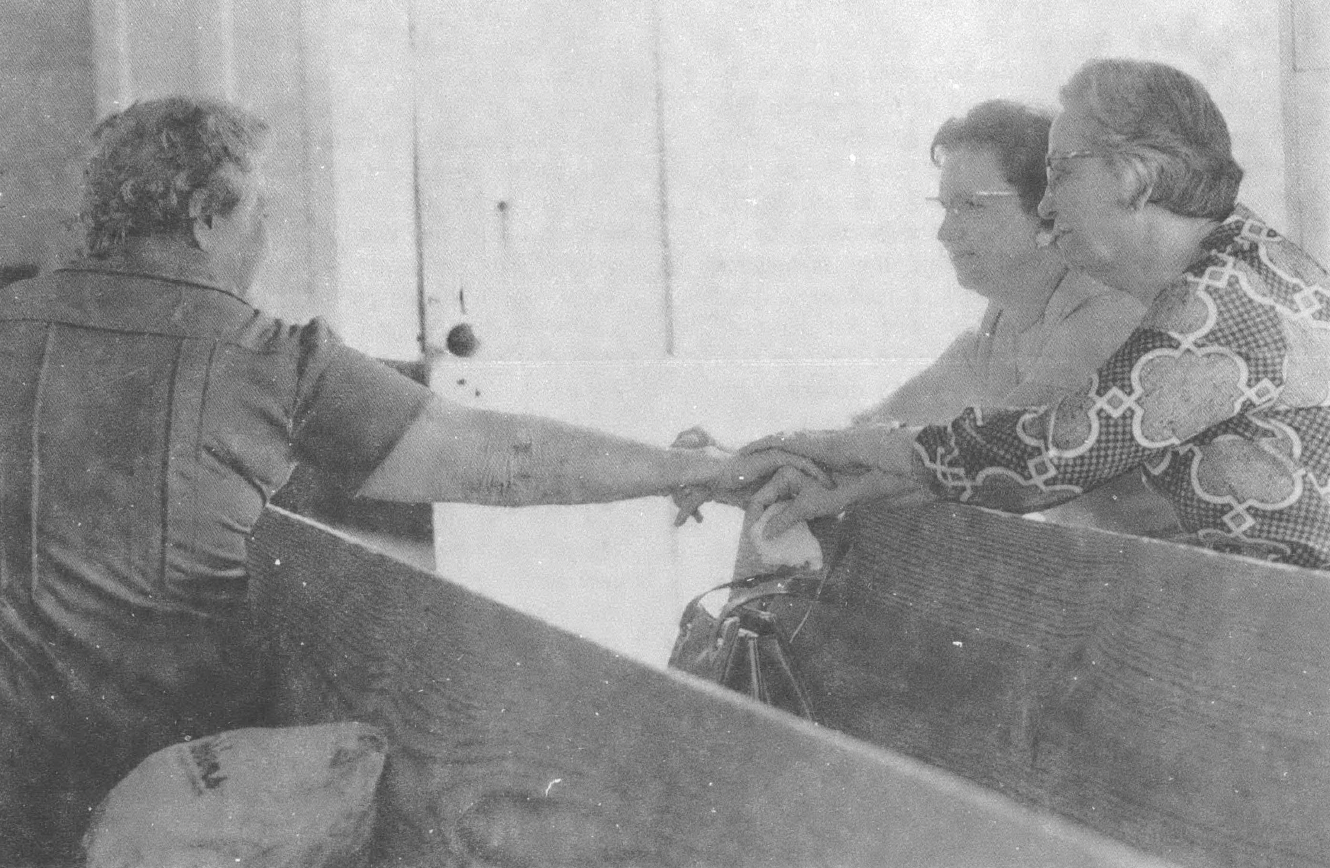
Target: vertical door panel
(541, 230)
(538, 178)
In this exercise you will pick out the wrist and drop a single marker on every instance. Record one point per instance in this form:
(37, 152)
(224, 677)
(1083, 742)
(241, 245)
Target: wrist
(690, 468)
(897, 454)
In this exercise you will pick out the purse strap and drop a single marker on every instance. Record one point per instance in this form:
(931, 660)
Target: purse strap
(793, 585)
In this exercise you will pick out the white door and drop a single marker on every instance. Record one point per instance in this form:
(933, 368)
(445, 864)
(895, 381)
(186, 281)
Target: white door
(549, 193)
(540, 206)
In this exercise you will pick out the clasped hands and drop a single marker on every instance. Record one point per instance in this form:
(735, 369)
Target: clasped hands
(803, 475)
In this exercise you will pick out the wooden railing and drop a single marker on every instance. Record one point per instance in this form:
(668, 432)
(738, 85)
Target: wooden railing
(513, 743)
(1170, 697)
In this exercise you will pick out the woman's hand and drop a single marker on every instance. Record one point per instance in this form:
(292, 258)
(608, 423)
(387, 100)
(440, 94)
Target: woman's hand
(849, 450)
(739, 477)
(793, 497)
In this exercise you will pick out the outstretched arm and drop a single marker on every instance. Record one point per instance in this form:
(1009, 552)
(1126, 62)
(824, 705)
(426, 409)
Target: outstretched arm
(456, 453)
(885, 447)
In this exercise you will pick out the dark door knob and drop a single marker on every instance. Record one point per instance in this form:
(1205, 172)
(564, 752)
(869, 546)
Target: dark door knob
(462, 340)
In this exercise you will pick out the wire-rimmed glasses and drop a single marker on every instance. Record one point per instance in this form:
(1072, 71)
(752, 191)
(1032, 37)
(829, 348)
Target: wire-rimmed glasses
(1052, 175)
(970, 204)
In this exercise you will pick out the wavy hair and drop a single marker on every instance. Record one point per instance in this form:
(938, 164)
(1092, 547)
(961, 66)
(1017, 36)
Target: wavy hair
(1162, 129)
(148, 161)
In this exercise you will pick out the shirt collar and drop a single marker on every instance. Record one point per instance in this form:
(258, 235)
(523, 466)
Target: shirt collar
(1242, 221)
(156, 259)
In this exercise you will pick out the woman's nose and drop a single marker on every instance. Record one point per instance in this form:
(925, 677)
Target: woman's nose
(946, 230)
(1046, 208)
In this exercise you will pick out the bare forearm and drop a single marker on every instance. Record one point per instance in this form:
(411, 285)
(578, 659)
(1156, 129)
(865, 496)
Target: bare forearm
(461, 454)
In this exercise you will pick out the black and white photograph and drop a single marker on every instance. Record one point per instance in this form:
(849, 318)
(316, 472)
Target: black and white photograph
(664, 434)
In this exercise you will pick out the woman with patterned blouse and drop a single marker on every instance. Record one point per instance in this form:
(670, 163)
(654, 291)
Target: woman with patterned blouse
(1221, 397)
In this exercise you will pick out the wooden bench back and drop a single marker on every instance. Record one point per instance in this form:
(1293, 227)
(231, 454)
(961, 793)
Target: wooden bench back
(1170, 697)
(513, 743)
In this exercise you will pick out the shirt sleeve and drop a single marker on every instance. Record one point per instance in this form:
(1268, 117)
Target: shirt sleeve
(350, 410)
(1202, 357)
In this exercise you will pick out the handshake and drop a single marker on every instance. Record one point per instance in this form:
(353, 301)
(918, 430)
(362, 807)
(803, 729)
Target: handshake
(794, 477)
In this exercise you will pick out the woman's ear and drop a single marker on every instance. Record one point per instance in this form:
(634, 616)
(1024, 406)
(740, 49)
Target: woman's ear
(1142, 197)
(202, 220)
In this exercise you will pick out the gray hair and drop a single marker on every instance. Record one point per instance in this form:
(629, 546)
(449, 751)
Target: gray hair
(148, 162)
(1161, 128)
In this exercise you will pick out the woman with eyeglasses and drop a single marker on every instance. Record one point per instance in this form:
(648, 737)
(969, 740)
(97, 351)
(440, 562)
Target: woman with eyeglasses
(1046, 328)
(1221, 398)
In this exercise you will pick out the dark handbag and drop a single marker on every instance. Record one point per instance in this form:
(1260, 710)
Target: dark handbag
(743, 644)
(741, 634)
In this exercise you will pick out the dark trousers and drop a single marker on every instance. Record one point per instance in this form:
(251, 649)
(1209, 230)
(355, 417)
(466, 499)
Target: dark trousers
(63, 748)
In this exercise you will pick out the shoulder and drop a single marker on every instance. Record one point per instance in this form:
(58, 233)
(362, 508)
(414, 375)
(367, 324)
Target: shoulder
(1081, 302)
(1249, 274)
(1084, 324)
(270, 335)
(1247, 289)
(1246, 253)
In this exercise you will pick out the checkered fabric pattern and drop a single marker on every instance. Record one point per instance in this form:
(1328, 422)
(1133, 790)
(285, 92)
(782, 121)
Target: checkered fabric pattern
(1221, 397)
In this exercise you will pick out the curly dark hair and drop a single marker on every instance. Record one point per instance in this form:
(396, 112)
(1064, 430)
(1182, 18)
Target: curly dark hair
(1161, 128)
(148, 162)
(1015, 134)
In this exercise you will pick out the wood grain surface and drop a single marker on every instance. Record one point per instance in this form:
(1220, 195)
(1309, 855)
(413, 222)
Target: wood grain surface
(1173, 698)
(515, 744)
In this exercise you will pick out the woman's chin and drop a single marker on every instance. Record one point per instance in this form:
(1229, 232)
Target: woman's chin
(1102, 270)
(985, 286)
(969, 277)
(1071, 252)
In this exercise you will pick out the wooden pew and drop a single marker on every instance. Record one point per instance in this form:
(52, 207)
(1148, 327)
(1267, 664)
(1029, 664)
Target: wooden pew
(1170, 697)
(514, 744)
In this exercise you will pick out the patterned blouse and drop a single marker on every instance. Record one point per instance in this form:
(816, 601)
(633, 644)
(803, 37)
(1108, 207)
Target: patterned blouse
(1221, 397)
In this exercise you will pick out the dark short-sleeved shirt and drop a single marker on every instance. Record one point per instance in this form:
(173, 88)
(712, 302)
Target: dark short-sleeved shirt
(145, 420)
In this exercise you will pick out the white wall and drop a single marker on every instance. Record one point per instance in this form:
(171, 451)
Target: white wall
(1307, 112)
(47, 107)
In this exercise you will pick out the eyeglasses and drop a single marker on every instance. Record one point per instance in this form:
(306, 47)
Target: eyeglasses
(1053, 175)
(971, 204)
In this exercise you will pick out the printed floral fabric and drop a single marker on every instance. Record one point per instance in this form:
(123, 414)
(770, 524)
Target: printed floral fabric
(1221, 397)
